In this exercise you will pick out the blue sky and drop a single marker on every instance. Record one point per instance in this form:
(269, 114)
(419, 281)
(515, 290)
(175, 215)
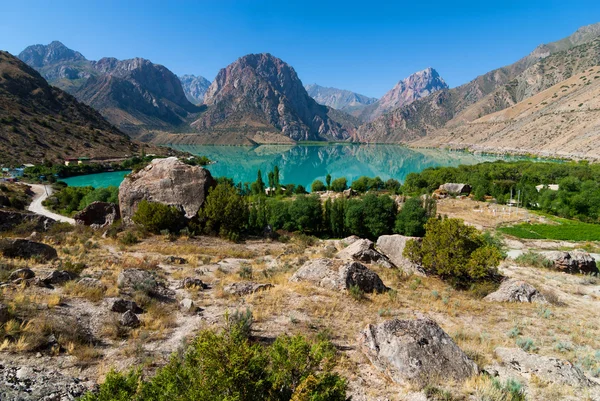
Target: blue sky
(362, 46)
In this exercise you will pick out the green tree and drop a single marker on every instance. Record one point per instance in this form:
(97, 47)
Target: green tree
(328, 181)
(157, 217)
(307, 213)
(361, 184)
(412, 217)
(317, 186)
(339, 184)
(379, 213)
(258, 186)
(276, 177)
(225, 211)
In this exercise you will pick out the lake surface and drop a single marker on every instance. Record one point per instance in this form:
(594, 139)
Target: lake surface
(302, 164)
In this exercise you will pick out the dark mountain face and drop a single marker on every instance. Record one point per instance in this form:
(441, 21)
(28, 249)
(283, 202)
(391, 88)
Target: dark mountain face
(259, 92)
(41, 122)
(194, 87)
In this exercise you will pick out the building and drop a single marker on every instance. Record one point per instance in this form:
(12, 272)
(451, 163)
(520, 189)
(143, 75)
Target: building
(77, 160)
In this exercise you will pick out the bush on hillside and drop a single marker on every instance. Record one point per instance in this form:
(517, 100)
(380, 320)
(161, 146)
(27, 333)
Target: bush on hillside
(156, 217)
(339, 184)
(225, 211)
(317, 186)
(413, 216)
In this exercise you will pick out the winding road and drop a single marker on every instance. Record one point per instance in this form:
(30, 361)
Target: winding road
(41, 192)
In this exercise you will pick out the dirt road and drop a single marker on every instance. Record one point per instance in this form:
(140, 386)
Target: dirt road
(41, 193)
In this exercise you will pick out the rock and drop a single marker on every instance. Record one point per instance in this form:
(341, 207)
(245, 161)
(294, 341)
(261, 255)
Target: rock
(573, 262)
(392, 246)
(4, 314)
(58, 277)
(24, 274)
(121, 305)
(553, 370)
(142, 280)
(415, 351)
(363, 250)
(455, 189)
(130, 319)
(356, 274)
(512, 290)
(9, 219)
(321, 272)
(246, 287)
(91, 283)
(175, 260)
(349, 193)
(190, 282)
(98, 215)
(25, 249)
(187, 305)
(168, 181)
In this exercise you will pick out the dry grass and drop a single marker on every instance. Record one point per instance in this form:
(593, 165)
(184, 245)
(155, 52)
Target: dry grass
(74, 289)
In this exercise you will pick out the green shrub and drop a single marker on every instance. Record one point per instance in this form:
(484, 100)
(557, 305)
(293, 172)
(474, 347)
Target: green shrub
(156, 217)
(534, 259)
(129, 238)
(526, 344)
(317, 186)
(356, 293)
(339, 184)
(411, 219)
(225, 211)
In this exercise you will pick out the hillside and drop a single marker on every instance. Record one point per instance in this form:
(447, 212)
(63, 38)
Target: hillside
(260, 95)
(40, 122)
(339, 99)
(563, 120)
(430, 113)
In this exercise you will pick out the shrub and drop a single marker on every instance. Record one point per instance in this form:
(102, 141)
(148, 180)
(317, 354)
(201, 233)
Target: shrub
(317, 186)
(534, 259)
(526, 344)
(225, 211)
(455, 252)
(339, 184)
(356, 293)
(412, 217)
(156, 217)
(129, 238)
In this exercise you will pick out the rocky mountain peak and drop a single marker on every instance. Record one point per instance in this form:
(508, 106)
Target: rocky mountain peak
(194, 87)
(43, 55)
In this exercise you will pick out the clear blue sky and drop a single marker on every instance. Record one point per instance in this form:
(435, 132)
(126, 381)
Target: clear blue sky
(364, 46)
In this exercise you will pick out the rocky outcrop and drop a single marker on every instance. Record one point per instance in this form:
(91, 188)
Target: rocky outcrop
(91, 282)
(512, 290)
(516, 362)
(261, 93)
(168, 181)
(455, 189)
(573, 262)
(98, 215)
(129, 319)
(26, 249)
(24, 274)
(192, 282)
(194, 87)
(392, 246)
(415, 351)
(121, 305)
(358, 275)
(9, 219)
(363, 250)
(175, 260)
(58, 277)
(246, 287)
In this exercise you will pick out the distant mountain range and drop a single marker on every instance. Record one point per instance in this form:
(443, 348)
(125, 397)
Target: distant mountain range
(260, 99)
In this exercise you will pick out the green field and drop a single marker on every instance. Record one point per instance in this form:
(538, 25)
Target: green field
(562, 229)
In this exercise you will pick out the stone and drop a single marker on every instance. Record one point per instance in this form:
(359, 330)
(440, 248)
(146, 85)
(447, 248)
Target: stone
(349, 193)
(415, 351)
(4, 314)
(392, 246)
(130, 319)
(24, 274)
(515, 361)
(9, 219)
(455, 189)
(190, 282)
(363, 250)
(121, 305)
(175, 260)
(91, 283)
(245, 288)
(573, 262)
(356, 274)
(168, 181)
(512, 290)
(58, 277)
(26, 249)
(187, 305)
(98, 215)
(321, 272)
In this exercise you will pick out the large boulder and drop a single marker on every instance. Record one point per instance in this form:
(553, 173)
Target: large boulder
(123, 305)
(98, 215)
(24, 274)
(356, 274)
(516, 362)
(393, 246)
(455, 189)
(512, 290)
(363, 250)
(58, 277)
(415, 351)
(26, 249)
(168, 181)
(9, 219)
(573, 262)
(129, 319)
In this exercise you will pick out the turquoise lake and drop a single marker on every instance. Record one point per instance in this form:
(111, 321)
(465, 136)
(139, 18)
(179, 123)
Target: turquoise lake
(302, 164)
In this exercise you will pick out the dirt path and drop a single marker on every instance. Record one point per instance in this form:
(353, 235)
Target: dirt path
(41, 193)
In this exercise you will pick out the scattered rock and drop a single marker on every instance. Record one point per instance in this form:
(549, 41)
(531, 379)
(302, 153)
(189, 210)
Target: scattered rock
(26, 249)
(130, 319)
(516, 361)
(91, 283)
(512, 290)
(58, 277)
(188, 305)
(363, 250)
(9, 219)
(24, 274)
(573, 262)
(356, 274)
(321, 272)
(349, 193)
(246, 287)
(4, 314)
(415, 351)
(190, 282)
(392, 246)
(98, 215)
(121, 305)
(168, 181)
(143, 280)
(175, 260)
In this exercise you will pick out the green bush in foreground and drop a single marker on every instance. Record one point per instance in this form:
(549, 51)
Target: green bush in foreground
(157, 217)
(228, 366)
(456, 252)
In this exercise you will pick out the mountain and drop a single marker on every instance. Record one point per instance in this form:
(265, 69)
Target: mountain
(136, 95)
(194, 87)
(260, 98)
(416, 86)
(339, 99)
(432, 112)
(40, 122)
